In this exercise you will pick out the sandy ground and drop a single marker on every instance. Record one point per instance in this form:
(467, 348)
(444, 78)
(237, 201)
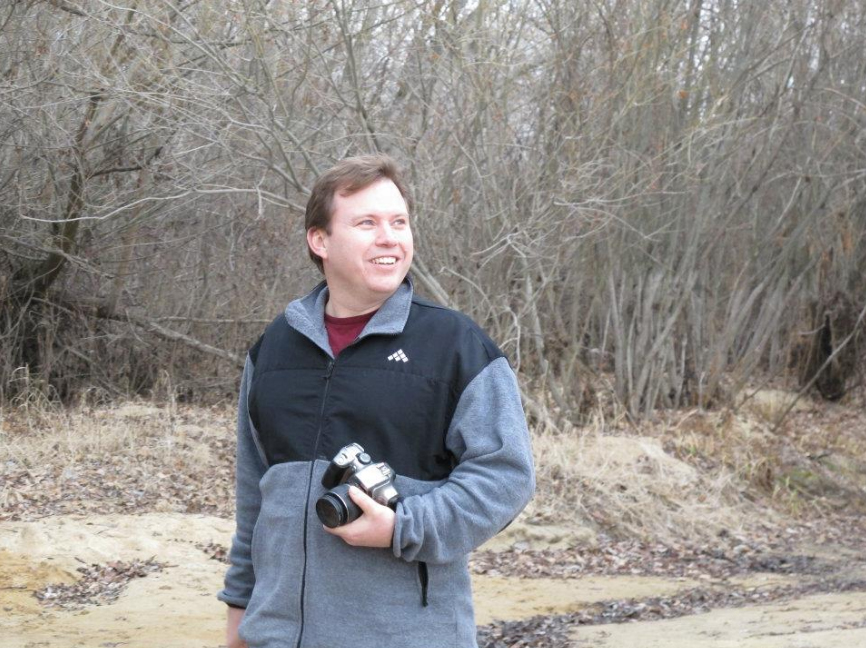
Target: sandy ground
(811, 622)
(176, 607)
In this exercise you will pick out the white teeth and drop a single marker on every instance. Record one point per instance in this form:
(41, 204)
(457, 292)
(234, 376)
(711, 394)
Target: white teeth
(385, 261)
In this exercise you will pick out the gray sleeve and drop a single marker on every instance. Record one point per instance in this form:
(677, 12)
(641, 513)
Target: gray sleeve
(491, 484)
(240, 579)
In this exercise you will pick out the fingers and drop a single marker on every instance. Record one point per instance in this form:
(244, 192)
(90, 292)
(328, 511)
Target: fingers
(375, 527)
(352, 533)
(368, 508)
(364, 501)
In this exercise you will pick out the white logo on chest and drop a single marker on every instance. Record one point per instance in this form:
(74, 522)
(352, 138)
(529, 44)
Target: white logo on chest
(398, 356)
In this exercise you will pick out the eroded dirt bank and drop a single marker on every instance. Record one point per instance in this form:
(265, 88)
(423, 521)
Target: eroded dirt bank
(175, 607)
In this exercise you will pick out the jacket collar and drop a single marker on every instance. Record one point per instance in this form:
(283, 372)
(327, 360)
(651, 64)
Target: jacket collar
(307, 314)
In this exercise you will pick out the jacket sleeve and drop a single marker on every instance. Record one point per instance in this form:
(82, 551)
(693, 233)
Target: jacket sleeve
(240, 579)
(493, 481)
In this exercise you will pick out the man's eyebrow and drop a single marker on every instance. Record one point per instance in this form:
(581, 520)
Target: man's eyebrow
(373, 215)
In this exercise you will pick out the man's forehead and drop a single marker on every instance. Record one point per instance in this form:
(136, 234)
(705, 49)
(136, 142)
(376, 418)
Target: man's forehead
(380, 198)
(382, 184)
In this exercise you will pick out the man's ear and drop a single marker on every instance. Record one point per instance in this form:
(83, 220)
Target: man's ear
(317, 240)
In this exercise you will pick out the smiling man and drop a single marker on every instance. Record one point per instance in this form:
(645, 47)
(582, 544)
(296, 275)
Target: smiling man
(362, 359)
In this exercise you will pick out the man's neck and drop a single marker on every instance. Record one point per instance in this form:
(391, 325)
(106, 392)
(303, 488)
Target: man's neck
(337, 307)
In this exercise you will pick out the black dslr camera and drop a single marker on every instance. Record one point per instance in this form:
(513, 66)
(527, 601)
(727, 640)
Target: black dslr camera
(353, 467)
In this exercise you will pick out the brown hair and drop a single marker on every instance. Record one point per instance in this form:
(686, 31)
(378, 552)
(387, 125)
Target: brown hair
(347, 177)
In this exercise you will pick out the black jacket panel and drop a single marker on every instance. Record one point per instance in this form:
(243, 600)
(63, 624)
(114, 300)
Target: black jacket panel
(393, 394)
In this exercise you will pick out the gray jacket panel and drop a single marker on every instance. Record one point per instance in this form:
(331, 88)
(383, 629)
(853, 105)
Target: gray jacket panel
(377, 591)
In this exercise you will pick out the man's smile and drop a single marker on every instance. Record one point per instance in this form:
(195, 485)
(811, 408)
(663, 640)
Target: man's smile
(385, 260)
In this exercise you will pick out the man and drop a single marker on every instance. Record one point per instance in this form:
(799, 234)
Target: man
(361, 359)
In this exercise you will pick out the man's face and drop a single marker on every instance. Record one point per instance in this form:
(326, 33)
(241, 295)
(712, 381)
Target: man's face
(368, 251)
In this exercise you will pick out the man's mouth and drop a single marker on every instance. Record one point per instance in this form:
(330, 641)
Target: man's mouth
(385, 260)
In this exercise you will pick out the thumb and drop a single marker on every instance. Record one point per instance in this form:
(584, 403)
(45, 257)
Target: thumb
(364, 501)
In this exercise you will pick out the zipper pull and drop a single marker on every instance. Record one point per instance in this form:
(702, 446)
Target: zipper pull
(330, 370)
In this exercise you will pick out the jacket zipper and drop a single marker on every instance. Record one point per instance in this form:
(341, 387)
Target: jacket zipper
(327, 377)
(424, 577)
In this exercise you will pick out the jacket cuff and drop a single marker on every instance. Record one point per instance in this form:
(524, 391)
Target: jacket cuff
(233, 601)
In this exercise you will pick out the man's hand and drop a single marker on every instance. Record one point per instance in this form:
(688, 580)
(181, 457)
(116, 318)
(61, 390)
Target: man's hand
(375, 527)
(233, 620)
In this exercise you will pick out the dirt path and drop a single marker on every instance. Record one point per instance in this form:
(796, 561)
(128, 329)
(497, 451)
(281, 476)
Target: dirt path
(176, 607)
(821, 621)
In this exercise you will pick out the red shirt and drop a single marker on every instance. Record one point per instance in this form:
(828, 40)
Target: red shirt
(342, 331)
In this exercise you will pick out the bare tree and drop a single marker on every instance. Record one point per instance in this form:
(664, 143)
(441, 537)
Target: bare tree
(653, 200)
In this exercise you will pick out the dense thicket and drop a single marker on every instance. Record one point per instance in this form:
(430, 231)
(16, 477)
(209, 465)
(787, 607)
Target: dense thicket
(643, 199)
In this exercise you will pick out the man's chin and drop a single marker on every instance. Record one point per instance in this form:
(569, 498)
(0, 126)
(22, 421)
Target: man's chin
(387, 285)
(385, 290)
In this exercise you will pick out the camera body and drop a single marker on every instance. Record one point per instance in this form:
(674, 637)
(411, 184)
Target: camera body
(353, 467)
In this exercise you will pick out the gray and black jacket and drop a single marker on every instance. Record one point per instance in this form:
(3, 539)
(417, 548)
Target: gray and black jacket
(422, 388)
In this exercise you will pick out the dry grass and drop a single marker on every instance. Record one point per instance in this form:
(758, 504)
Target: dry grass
(33, 433)
(693, 474)
(130, 457)
(630, 487)
(809, 466)
(698, 473)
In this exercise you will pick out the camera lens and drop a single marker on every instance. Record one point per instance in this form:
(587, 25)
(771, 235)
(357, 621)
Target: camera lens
(335, 508)
(331, 511)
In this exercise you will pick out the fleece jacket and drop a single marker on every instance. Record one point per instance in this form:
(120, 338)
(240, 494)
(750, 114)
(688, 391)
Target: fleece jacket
(423, 389)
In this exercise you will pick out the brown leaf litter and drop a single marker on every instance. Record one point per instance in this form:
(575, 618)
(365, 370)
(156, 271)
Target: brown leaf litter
(214, 551)
(636, 558)
(98, 585)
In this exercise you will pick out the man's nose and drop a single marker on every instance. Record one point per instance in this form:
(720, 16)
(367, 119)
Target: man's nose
(386, 235)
